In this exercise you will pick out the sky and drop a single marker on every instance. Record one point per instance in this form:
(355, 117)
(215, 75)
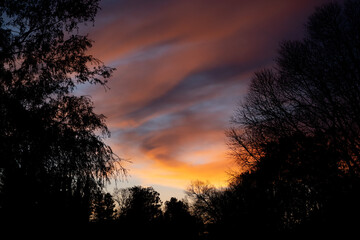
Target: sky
(182, 67)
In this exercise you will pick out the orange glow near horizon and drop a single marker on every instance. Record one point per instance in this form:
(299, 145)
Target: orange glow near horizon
(182, 67)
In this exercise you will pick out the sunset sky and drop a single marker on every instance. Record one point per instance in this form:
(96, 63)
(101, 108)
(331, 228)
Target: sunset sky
(182, 68)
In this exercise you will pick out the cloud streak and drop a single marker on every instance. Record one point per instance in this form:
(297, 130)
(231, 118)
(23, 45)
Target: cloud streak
(182, 66)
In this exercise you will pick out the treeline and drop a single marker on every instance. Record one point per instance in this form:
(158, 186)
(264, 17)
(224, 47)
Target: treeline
(138, 212)
(296, 136)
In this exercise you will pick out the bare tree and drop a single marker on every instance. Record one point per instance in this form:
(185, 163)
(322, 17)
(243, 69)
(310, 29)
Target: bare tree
(205, 201)
(314, 89)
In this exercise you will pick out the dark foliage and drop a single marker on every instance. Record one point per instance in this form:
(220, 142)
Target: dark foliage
(296, 137)
(104, 208)
(139, 208)
(179, 222)
(50, 147)
(313, 90)
(297, 133)
(140, 215)
(140, 205)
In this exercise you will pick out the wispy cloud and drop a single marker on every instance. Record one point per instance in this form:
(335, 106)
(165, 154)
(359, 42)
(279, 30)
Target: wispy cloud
(182, 66)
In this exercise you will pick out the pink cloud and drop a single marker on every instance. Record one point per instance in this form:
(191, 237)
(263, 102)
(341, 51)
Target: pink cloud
(181, 68)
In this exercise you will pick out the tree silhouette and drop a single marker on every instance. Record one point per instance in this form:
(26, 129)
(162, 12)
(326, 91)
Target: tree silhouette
(312, 90)
(178, 220)
(104, 208)
(51, 141)
(141, 205)
(176, 210)
(296, 135)
(139, 212)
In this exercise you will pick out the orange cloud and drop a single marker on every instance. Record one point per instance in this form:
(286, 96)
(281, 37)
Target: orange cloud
(182, 66)
(215, 170)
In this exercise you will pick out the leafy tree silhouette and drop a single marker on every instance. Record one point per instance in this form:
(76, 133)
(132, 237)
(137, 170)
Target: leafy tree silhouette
(178, 220)
(176, 211)
(104, 208)
(142, 205)
(51, 141)
(139, 212)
